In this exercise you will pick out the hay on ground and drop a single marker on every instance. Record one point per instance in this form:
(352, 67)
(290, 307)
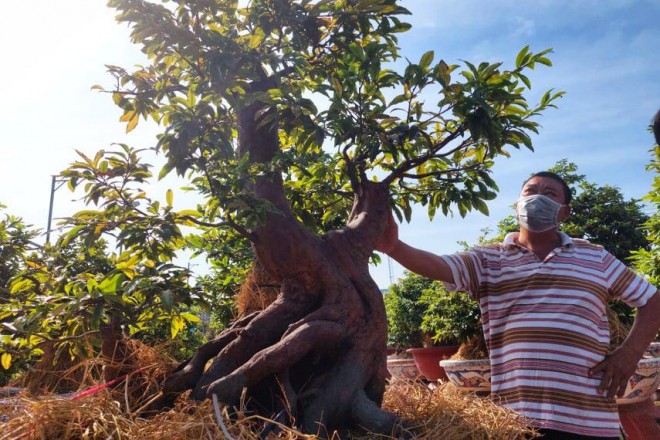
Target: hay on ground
(445, 413)
(452, 414)
(57, 371)
(147, 366)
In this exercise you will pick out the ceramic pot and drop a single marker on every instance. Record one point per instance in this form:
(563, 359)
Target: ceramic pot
(428, 361)
(474, 375)
(402, 369)
(653, 350)
(643, 384)
(469, 375)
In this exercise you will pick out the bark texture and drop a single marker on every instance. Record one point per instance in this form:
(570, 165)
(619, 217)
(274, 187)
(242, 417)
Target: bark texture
(318, 352)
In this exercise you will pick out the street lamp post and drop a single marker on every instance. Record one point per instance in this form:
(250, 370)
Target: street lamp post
(53, 187)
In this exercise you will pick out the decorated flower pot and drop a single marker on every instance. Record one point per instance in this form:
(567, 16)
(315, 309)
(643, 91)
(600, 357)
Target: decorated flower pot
(643, 384)
(653, 350)
(402, 368)
(428, 360)
(469, 375)
(474, 375)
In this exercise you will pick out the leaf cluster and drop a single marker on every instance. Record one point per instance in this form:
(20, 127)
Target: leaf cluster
(112, 264)
(419, 309)
(325, 73)
(647, 261)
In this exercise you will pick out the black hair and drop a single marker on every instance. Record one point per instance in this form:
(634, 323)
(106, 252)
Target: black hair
(656, 127)
(568, 195)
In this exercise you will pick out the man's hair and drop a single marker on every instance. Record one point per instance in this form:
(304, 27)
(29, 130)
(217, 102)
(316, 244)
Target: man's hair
(568, 195)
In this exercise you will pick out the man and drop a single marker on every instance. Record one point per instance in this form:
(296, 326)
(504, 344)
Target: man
(543, 301)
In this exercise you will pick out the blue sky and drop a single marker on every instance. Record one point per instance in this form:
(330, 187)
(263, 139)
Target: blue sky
(605, 57)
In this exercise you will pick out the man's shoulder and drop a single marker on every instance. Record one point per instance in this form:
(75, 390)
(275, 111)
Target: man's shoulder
(588, 249)
(586, 244)
(489, 247)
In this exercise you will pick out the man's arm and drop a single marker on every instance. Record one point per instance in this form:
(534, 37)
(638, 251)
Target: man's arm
(415, 260)
(618, 366)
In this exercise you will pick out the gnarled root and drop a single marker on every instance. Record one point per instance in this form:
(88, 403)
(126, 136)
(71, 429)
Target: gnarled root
(187, 373)
(371, 418)
(279, 357)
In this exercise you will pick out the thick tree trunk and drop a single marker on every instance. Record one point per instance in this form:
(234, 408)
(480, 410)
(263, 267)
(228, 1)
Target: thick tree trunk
(319, 350)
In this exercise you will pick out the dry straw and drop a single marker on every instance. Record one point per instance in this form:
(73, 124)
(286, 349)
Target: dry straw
(444, 413)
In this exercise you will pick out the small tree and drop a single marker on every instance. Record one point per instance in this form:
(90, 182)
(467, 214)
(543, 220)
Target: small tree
(308, 187)
(16, 246)
(421, 311)
(450, 318)
(405, 311)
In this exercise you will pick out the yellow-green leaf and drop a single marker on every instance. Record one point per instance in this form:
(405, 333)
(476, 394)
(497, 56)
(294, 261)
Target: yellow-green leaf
(176, 326)
(132, 123)
(5, 360)
(190, 317)
(127, 116)
(190, 212)
(169, 196)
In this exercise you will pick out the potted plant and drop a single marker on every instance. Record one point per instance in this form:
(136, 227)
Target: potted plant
(404, 320)
(429, 321)
(449, 320)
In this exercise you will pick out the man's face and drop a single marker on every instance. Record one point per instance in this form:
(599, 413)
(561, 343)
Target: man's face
(550, 188)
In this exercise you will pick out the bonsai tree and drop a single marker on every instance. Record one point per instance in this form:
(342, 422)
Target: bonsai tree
(238, 92)
(405, 311)
(422, 312)
(451, 318)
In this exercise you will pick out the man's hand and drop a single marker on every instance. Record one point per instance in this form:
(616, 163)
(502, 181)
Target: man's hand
(390, 237)
(617, 367)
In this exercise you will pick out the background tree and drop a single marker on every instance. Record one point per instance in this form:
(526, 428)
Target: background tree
(289, 119)
(602, 215)
(404, 310)
(110, 270)
(647, 260)
(16, 245)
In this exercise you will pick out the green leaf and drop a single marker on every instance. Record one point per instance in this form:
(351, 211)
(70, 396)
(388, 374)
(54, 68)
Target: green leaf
(480, 205)
(169, 197)
(257, 38)
(426, 59)
(169, 166)
(357, 50)
(111, 284)
(399, 99)
(524, 79)
(521, 56)
(545, 61)
(189, 212)
(443, 73)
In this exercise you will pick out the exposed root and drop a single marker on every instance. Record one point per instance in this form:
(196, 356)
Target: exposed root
(187, 373)
(263, 331)
(371, 418)
(278, 357)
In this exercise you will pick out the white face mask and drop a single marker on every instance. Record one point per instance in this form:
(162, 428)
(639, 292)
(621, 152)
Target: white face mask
(537, 213)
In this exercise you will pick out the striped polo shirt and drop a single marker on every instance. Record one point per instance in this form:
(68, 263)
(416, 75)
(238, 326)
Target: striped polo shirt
(545, 325)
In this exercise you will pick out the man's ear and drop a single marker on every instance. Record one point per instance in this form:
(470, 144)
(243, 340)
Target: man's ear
(564, 213)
